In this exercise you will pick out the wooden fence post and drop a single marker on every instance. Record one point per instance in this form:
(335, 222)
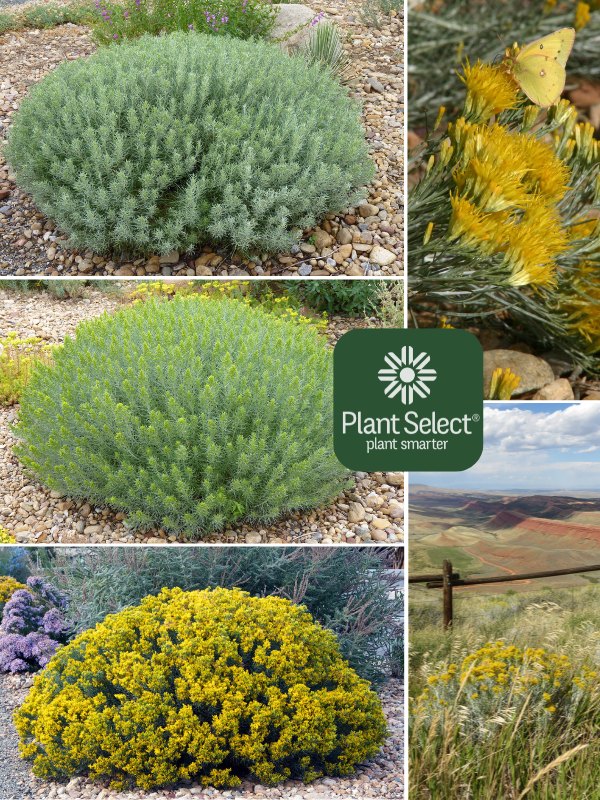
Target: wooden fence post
(447, 594)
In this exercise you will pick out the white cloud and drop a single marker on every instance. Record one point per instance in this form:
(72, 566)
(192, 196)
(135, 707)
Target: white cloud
(555, 450)
(576, 428)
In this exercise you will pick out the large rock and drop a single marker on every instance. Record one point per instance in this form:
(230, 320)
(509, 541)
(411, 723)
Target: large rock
(559, 389)
(533, 371)
(293, 25)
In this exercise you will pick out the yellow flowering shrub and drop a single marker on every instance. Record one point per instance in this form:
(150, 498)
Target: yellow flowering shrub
(499, 676)
(18, 356)
(280, 305)
(209, 686)
(6, 537)
(8, 586)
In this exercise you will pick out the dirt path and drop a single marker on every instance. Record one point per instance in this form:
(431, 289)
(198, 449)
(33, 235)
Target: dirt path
(496, 566)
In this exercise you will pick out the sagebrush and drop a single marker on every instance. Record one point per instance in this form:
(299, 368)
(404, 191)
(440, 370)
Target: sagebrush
(166, 142)
(210, 686)
(188, 414)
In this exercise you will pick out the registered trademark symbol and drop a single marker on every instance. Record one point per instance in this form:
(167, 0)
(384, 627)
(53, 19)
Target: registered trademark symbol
(475, 417)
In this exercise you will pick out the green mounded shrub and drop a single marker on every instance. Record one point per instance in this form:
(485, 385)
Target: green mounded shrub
(212, 685)
(162, 143)
(354, 297)
(187, 414)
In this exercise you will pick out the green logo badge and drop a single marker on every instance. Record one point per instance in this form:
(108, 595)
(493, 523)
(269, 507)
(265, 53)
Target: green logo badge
(408, 400)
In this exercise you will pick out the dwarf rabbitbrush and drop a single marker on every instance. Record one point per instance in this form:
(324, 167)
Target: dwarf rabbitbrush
(188, 414)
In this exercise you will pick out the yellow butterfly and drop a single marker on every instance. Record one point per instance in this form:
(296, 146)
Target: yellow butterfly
(539, 67)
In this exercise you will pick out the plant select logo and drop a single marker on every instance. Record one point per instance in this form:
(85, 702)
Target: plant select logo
(407, 399)
(407, 375)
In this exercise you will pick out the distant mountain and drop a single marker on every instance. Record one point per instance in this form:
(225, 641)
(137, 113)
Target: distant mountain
(492, 533)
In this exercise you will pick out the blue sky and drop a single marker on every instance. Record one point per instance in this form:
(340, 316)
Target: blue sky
(528, 446)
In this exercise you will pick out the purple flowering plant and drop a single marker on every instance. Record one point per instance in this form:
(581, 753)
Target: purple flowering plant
(33, 627)
(244, 19)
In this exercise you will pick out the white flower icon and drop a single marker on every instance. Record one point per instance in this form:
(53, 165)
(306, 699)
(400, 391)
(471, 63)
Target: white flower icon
(407, 375)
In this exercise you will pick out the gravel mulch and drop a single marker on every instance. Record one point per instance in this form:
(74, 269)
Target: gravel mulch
(367, 240)
(16, 780)
(382, 778)
(372, 511)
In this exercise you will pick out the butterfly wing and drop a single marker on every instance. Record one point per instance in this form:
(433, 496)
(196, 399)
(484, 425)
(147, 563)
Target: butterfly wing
(539, 68)
(556, 46)
(541, 79)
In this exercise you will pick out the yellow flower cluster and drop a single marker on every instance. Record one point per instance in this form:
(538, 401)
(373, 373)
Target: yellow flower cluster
(582, 15)
(507, 186)
(503, 384)
(6, 537)
(204, 685)
(278, 305)
(8, 586)
(490, 90)
(504, 670)
(18, 358)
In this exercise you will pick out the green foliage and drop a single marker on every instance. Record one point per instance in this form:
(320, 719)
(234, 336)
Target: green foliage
(391, 310)
(441, 35)
(7, 21)
(45, 16)
(242, 19)
(165, 142)
(13, 562)
(70, 288)
(187, 414)
(372, 11)
(347, 592)
(205, 685)
(351, 297)
(324, 48)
